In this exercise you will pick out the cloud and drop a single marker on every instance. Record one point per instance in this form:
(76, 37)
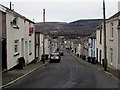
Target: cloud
(63, 11)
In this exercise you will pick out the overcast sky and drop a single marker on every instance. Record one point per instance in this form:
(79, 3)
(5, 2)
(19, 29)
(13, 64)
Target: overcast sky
(63, 10)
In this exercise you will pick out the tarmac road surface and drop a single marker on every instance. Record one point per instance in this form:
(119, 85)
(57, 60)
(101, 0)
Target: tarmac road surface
(69, 73)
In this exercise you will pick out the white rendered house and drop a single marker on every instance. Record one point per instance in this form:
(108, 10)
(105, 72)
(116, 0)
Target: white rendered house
(19, 40)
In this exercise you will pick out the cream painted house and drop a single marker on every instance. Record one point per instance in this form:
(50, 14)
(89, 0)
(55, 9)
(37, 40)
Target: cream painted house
(84, 48)
(47, 45)
(54, 45)
(99, 44)
(68, 43)
(79, 47)
(19, 38)
(39, 45)
(113, 41)
(75, 46)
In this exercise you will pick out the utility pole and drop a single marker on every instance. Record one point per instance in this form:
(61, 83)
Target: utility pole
(43, 36)
(104, 23)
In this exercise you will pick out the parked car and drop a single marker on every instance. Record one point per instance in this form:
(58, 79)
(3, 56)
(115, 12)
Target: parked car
(61, 53)
(55, 57)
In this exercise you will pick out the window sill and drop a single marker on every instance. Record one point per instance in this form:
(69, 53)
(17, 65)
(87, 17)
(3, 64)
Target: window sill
(15, 27)
(30, 53)
(16, 54)
(111, 65)
(111, 39)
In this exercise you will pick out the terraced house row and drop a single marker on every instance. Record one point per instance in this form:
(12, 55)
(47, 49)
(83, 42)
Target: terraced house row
(112, 41)
(91, 48)
(20, 39)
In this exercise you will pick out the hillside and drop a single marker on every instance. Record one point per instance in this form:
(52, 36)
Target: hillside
(76, 28)
(50, 27)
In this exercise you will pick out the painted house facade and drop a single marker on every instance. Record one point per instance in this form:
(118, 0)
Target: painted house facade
(92, 48)
(19, 38)
(113, 41)
(39, 45)
(76, 46)
(68, 43)
(3, 35)
(99, 44)
(47, 45)
(84, 48)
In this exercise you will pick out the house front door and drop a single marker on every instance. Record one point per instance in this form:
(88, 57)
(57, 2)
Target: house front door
(97, 54)
(26, 52)
(100, 56)
(22, 47)
(4, 55)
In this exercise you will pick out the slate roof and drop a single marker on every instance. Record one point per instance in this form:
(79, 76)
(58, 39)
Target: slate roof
(93, 35)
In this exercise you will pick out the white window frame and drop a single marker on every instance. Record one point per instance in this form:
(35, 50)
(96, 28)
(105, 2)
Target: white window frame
(111, 30)
(16, 47)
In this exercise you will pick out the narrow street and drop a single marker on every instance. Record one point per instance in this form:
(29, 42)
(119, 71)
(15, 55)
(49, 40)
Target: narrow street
(69, 73)
(89, 39)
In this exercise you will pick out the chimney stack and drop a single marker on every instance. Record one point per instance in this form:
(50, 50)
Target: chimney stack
(10, 6)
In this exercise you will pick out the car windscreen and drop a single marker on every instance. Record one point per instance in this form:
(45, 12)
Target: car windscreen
(54, 54)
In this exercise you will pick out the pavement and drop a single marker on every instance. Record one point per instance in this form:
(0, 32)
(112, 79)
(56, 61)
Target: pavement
(112, 72)
(14, 75)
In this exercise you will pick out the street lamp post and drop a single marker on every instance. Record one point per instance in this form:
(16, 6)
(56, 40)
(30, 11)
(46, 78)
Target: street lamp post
(104, 23)
(43, 36)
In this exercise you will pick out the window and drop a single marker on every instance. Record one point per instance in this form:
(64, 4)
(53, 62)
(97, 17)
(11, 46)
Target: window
(119, 23)
(16, 47)
(100, 36)
(91, 43)
(30, 51)
(14, 23)
(111, 56)
(111, 30)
